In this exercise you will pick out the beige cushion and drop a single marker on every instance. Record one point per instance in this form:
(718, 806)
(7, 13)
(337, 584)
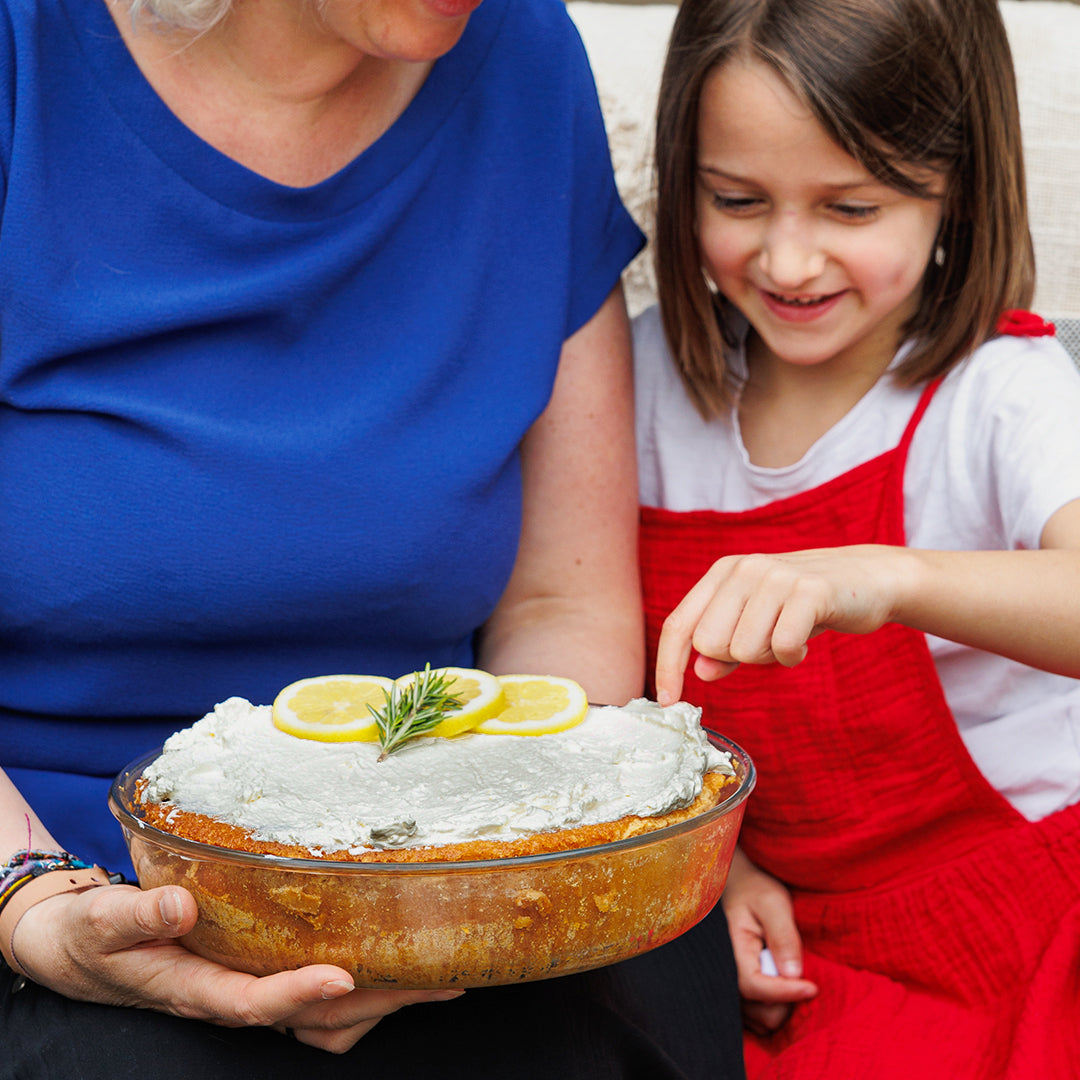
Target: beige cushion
(626, 45)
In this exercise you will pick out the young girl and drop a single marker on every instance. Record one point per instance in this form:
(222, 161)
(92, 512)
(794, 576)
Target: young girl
(860, 464)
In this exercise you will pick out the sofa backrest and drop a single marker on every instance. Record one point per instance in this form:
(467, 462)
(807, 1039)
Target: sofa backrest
(626, 45)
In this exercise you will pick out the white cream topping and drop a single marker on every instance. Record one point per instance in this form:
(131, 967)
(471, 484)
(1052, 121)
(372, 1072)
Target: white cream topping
(235, 765)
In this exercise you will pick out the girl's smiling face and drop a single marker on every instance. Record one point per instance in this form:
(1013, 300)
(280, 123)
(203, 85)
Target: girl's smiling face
(825, 261)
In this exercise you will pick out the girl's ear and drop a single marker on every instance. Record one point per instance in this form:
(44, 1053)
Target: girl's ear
(949, 205)
(953, 206)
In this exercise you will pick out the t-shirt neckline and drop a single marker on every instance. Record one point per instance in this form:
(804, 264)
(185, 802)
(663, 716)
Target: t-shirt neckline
(826, 442)
(228, 182)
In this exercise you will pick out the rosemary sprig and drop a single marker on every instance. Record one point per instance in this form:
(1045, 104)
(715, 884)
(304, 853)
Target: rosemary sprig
(414, 710)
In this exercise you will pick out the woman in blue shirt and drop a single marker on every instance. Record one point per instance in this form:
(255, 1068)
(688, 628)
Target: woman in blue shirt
(313, 359)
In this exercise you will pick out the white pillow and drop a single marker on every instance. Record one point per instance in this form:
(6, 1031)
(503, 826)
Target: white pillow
(626, 44)
(1045, 39)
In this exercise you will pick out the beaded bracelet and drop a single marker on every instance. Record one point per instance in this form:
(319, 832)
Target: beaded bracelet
(25, 865)
(28, 866)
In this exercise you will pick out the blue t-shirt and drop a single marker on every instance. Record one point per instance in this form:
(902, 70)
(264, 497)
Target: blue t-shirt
(250, 433)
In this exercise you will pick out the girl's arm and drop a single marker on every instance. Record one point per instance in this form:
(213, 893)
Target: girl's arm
(756, 609)
(1021, 604)
(573, 604)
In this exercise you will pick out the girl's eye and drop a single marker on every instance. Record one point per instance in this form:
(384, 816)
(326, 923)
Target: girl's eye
(855, 211)
(735, 204)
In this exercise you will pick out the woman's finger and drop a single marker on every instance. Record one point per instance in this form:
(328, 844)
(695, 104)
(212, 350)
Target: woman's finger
(338, 1025)
(124, 915)
(63, 940)
(117, 945)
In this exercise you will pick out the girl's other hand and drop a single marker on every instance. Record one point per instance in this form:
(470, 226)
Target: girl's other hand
(761, 609)
(759, 915)
(118, 945)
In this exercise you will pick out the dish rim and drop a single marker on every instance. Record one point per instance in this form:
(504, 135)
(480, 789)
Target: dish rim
(123, 784)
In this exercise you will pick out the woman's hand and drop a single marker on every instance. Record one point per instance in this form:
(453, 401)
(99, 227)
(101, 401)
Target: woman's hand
(759, 914)
(118, 945)
(760, 609)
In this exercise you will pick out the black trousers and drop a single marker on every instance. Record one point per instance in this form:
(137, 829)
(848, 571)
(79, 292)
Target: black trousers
(671, 1014)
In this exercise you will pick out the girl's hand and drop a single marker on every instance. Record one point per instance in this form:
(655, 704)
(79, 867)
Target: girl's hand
(118, 945)
(759, 915)
(757, 609)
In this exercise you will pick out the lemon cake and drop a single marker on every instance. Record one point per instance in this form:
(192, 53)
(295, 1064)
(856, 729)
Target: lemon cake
(408, 823)
(236, 779)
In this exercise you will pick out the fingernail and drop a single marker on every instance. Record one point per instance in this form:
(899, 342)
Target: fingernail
(336, 988)
(446, 995)
(172, 911)
(665, 697)
(792, 969)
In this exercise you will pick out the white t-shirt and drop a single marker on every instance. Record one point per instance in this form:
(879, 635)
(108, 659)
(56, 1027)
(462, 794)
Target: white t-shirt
(995, 455)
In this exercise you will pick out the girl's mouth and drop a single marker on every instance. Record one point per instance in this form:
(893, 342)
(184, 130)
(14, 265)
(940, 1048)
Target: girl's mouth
(800, 308)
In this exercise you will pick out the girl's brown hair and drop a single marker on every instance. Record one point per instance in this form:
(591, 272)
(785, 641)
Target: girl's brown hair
(903, 86)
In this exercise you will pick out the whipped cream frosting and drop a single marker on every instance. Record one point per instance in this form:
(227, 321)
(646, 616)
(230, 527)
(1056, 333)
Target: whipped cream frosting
(235, 765)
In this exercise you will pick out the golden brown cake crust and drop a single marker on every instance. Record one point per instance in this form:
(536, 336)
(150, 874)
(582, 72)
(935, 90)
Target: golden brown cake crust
(191, 826)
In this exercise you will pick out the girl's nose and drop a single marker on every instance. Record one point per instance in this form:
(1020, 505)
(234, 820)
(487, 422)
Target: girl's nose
(790, 254)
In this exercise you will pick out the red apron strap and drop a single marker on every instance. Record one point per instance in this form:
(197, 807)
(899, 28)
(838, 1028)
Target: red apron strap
(909, 432)
(1019, 323)
(890, 523)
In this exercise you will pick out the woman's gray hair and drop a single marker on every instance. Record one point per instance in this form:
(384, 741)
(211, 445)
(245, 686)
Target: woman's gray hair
(196, 15)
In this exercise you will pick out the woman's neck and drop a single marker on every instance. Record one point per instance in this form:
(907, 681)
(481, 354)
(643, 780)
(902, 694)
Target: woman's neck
(273, 89)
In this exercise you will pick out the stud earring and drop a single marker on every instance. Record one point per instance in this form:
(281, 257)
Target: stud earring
(939, 256)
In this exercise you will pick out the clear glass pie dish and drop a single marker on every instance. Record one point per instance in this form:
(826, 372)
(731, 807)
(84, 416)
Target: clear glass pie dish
(445, 924)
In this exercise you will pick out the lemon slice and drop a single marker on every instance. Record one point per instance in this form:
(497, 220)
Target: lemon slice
(537, 705)
(481, 696)
(332, 708)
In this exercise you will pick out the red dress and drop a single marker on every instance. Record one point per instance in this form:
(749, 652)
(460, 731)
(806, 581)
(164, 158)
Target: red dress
(942, 928)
